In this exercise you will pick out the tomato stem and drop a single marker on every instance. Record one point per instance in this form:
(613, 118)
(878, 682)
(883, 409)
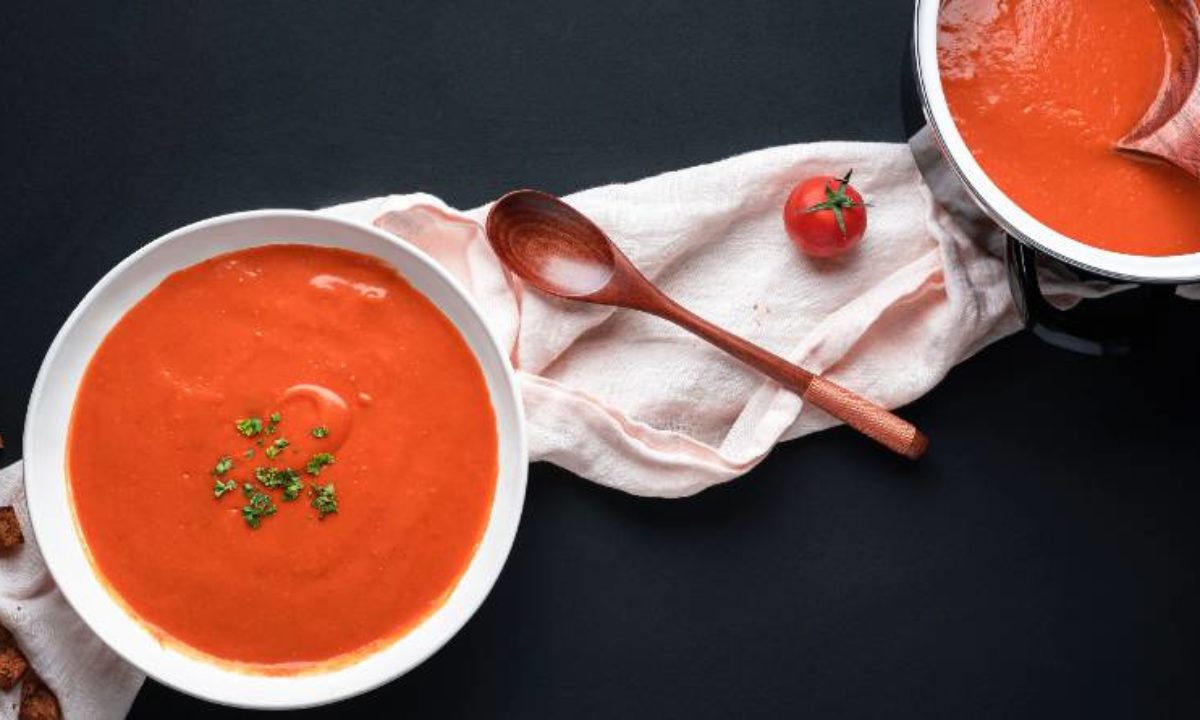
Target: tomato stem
(838, 201)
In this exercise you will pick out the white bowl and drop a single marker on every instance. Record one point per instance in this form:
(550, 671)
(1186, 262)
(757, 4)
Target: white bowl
(53, 516)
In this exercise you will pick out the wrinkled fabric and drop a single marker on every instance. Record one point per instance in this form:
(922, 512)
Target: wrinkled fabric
(634, 403)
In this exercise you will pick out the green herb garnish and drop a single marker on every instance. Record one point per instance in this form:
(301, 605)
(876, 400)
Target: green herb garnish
(260, 501)
(293, 488)
(324, 500)
(250, 427)
(276, 447)
(260, 506)
(285, 478)
(318, 461)
(224, 465)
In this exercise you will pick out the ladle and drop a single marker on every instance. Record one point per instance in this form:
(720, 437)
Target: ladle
(1170, 130)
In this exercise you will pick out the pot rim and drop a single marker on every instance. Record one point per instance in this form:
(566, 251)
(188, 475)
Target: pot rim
(999, 206)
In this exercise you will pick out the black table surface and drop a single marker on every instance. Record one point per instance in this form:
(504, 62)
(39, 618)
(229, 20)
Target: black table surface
(1040, 562)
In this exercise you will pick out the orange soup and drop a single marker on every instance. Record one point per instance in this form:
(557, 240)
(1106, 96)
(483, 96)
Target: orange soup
(282, 457)
(1042, 90)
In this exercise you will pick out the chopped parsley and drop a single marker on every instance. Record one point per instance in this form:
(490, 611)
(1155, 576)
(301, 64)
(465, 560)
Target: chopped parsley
(288, 482)
(318, 461)
(324, 500)
(285, 478)
(259, 507)
(250, 427)
(293, 487)
(276, 447)
(224, 465)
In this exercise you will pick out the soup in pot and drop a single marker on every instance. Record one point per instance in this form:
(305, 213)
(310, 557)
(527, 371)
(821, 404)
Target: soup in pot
(1042, 91)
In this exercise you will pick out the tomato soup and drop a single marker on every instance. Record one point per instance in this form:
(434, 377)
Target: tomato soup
(1042, 90)
(282, 457)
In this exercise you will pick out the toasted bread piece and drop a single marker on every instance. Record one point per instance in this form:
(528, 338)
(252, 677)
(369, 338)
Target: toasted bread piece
(10, 528)
(12, 661)
(37, 700)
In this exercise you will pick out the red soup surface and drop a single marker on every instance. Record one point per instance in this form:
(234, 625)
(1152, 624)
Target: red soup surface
(327, 339)
(1041, 90)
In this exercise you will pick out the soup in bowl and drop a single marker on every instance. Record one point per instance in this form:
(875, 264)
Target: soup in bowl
(275, 459)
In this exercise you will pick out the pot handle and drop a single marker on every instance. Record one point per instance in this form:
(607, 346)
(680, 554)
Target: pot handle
(1097, 334)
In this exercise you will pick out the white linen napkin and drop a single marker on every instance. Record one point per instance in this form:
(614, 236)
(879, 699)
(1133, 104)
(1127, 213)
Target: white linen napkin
(629, 401)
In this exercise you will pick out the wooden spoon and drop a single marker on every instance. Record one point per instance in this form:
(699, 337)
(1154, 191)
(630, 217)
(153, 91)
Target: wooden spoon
(557, 250)
(1170, 130)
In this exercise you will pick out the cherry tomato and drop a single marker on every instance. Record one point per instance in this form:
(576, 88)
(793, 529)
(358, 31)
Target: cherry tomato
(824, 216)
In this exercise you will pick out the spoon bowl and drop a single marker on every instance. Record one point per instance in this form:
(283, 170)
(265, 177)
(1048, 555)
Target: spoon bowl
(550, 244)
(554, 248)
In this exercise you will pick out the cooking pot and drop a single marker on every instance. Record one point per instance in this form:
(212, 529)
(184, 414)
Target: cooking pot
(965, 191)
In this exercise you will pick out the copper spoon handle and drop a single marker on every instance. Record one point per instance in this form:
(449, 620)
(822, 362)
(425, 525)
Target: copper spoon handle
(870, 419)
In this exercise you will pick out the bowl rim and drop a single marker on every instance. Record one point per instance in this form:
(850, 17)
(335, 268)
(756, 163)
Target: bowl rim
(514, 473)
(1002, 209)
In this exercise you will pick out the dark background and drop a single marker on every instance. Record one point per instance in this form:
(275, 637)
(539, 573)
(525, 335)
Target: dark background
(1040, 562)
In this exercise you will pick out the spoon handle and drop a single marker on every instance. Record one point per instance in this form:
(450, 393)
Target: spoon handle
(870, 419)
(874, 421)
